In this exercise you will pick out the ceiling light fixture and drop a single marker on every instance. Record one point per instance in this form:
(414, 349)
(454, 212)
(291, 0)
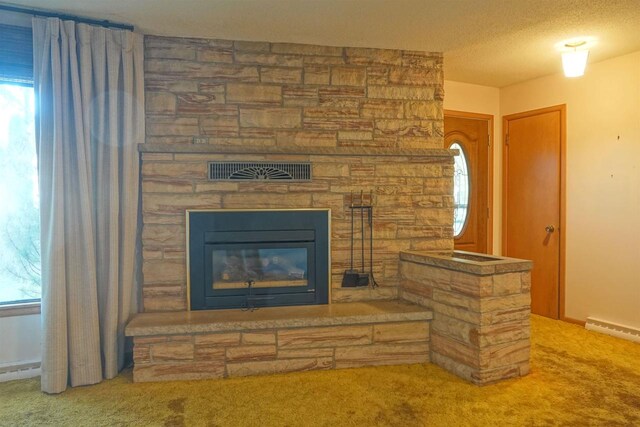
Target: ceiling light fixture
(574, 59)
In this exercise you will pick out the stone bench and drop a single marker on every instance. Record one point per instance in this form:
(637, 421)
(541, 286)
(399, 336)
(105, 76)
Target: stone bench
(228, 343)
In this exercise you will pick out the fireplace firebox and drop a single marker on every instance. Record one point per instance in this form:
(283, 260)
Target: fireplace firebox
(250, 259)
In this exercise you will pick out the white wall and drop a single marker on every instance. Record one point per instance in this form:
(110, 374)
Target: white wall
(603, 183)
(19, 340)
(471, 98)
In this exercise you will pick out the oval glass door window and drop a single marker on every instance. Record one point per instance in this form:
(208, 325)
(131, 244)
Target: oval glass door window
(460, 190)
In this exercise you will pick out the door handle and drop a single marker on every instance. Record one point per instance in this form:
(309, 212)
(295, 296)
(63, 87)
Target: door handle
(549, 229)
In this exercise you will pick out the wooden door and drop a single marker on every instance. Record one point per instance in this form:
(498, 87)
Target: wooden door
(532, 200)
(471, 132)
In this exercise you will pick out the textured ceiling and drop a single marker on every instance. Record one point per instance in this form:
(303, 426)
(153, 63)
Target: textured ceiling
(488, 42)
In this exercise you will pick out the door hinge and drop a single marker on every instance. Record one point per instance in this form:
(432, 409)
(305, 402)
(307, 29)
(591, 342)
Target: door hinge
(489, 140)
(507, 141)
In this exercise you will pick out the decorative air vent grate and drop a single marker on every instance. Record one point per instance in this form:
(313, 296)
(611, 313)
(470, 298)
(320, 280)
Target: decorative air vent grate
(258, 171)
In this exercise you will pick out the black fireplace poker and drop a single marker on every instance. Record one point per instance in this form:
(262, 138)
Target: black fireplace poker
(360, 277)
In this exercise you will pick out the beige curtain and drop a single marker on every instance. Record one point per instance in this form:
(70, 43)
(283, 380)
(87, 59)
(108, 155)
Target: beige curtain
(89, 88)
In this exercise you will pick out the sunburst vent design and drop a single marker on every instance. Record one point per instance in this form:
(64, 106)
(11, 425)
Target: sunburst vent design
(259, 171)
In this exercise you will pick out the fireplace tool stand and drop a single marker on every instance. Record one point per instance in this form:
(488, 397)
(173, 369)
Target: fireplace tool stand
(354, 277)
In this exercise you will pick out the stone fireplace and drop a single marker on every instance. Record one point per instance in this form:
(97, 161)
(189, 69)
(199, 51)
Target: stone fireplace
(364, 120)
(412, 208)
(249, 259)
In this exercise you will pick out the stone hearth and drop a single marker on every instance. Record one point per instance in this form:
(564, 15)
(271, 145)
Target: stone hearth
(229, 343)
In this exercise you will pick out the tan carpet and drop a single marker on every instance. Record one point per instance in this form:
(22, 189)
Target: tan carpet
(577, 378)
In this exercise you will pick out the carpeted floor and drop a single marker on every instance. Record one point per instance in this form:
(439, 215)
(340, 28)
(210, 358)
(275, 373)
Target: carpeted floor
(577, 378)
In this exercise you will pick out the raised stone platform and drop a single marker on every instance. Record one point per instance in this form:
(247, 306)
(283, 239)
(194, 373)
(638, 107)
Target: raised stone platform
(227, 343)
(481, 305)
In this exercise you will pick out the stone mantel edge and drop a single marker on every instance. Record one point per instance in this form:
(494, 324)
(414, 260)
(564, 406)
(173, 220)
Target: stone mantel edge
(320, 151)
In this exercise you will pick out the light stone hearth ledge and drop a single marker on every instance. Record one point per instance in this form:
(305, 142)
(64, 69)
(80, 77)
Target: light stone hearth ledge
(321, 151)
(353, 313)
(231, 343)
(482, 265)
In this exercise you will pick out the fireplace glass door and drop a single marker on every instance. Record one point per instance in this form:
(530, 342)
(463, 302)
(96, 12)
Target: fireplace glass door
(266, 267)
(257, 269)
(251, 259)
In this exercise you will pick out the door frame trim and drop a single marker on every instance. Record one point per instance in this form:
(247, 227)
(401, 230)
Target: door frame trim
(562, 109)
(489, 119)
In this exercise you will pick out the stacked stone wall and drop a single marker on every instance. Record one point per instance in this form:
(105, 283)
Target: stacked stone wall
(412, 198)
(367, 120)
(247, 352)
(264, 94)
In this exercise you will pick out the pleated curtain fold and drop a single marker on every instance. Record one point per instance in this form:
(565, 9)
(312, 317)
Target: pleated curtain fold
(89, 86)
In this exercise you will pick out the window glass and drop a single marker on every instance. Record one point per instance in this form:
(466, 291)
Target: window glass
(460, 190)
(19, 198)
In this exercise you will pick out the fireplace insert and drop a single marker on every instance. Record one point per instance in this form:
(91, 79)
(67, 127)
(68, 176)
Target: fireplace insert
(250, 259)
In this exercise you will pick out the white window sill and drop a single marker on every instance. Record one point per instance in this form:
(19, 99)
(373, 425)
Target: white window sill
(26, 309)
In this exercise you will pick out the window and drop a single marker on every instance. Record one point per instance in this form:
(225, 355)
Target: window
(19, 197)
(19, 207)
(460, 190)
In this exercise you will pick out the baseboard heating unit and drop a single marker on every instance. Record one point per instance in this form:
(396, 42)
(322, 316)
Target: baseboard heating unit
(19, 372)
(613, 329)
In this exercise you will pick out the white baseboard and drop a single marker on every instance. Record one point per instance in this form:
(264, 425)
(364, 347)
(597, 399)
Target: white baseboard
(19, 372)
(613, 329)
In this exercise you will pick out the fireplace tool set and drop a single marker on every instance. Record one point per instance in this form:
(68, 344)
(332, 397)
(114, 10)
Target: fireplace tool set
(360, 277)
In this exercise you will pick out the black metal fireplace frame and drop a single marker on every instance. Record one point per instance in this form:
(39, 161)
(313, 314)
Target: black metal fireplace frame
(265, 228)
